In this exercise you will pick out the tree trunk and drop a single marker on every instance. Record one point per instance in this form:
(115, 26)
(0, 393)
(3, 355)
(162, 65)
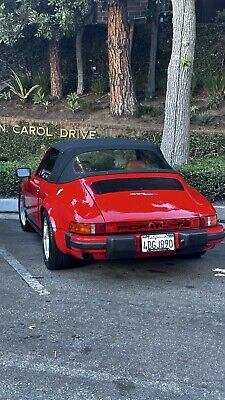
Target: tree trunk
(122, 97)
(55, 72)
(176, 135)
(80, 72)
(131, 36)
(153, 51)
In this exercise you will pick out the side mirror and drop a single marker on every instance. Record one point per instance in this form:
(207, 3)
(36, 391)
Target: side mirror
(23, 172)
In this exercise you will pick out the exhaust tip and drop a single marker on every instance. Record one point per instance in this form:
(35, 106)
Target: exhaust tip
(88, 257)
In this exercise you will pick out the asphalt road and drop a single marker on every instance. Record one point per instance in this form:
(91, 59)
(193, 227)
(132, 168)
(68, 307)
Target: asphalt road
(120, 330)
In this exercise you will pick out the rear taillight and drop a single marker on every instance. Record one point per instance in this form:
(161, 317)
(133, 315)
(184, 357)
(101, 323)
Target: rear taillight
(210, 220)
(87, 229)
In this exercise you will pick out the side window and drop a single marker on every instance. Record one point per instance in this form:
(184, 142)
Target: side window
(48, 164)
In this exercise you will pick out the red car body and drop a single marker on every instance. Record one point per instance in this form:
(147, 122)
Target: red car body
(127, 213)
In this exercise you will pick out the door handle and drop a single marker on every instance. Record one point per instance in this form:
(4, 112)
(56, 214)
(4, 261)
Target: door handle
(38, 190)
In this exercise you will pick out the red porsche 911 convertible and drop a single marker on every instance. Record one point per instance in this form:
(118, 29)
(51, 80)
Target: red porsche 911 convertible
(111, 199)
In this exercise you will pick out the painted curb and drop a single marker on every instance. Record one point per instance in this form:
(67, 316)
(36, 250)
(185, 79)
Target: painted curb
(8, 205)
(11, 206)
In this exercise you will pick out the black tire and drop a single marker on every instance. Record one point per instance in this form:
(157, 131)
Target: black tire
(53, 257)
(25, 224)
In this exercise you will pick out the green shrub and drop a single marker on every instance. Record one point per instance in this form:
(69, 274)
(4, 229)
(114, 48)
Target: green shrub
(204, 118)
(73, 101)
(207, 176)
(17, 146)
(99, 86)
(9, 183)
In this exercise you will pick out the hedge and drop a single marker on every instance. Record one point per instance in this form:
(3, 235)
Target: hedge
(9, 183)
(17, 146)
(208, 176)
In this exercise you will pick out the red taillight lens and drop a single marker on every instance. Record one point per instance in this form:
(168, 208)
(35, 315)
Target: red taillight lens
(87, 229)
(210, 220)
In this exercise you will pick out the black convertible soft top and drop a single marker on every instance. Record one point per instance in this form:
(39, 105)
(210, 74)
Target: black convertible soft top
(63, 170)
(80, 145)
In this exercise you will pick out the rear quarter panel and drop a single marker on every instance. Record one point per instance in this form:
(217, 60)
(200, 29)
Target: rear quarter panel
(70, 202)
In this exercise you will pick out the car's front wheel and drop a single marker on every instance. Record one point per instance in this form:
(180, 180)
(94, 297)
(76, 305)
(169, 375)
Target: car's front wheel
(53, 257)
(25, 224)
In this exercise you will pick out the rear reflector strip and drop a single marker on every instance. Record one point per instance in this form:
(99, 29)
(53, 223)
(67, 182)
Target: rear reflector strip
(152, 226)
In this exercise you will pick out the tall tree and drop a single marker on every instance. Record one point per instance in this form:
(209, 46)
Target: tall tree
(156, 8)
(122, 97)
(54, 19)
(176, 135)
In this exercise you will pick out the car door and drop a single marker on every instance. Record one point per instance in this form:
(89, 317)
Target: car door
(38, 186)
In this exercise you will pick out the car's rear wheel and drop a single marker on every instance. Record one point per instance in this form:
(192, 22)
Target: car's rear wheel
(53, 257)
(25, 224)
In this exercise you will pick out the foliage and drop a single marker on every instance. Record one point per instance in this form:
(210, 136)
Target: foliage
(9, 183)
(207, 176)
(216, 89)
(144, 109)
(99, 86)
(56, 18)
(39, 98)
(17, 146)
(73, 101)
(39, 77)
(194, 109)
(10, 16)
(209, 52)
(19, 90)
(205, 118)
(6, 95)
(160, 7)
(220, 16)
(185, 62)
(216, 85)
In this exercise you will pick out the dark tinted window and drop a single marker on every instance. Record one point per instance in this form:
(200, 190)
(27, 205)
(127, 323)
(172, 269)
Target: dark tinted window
(48, 164)
(123, 185)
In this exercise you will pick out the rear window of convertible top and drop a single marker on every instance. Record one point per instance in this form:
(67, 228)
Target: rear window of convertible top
(119, 159)
(133, 184)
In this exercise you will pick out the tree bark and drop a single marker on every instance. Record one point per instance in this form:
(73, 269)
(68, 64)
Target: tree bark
(80, 72)
(55, 72)
(153, 51)
(131, 36)
(122, 97)
(176, 135)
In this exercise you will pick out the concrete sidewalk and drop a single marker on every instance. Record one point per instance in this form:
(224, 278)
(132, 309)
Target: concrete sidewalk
(11, 206)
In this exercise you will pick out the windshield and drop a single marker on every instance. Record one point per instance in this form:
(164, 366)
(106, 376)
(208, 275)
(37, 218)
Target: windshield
(109, 160)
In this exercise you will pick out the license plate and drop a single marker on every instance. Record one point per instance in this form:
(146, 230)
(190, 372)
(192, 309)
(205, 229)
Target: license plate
(162, 242)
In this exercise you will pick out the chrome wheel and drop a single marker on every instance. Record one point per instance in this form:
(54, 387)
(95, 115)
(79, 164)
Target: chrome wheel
(46, 239)
(24, 222)
(53, 257)
(22, 211)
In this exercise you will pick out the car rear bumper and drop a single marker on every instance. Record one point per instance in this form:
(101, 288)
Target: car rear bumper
(128, 246)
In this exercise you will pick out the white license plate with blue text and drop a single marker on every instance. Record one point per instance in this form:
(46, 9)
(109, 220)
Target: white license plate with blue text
(159, 242)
